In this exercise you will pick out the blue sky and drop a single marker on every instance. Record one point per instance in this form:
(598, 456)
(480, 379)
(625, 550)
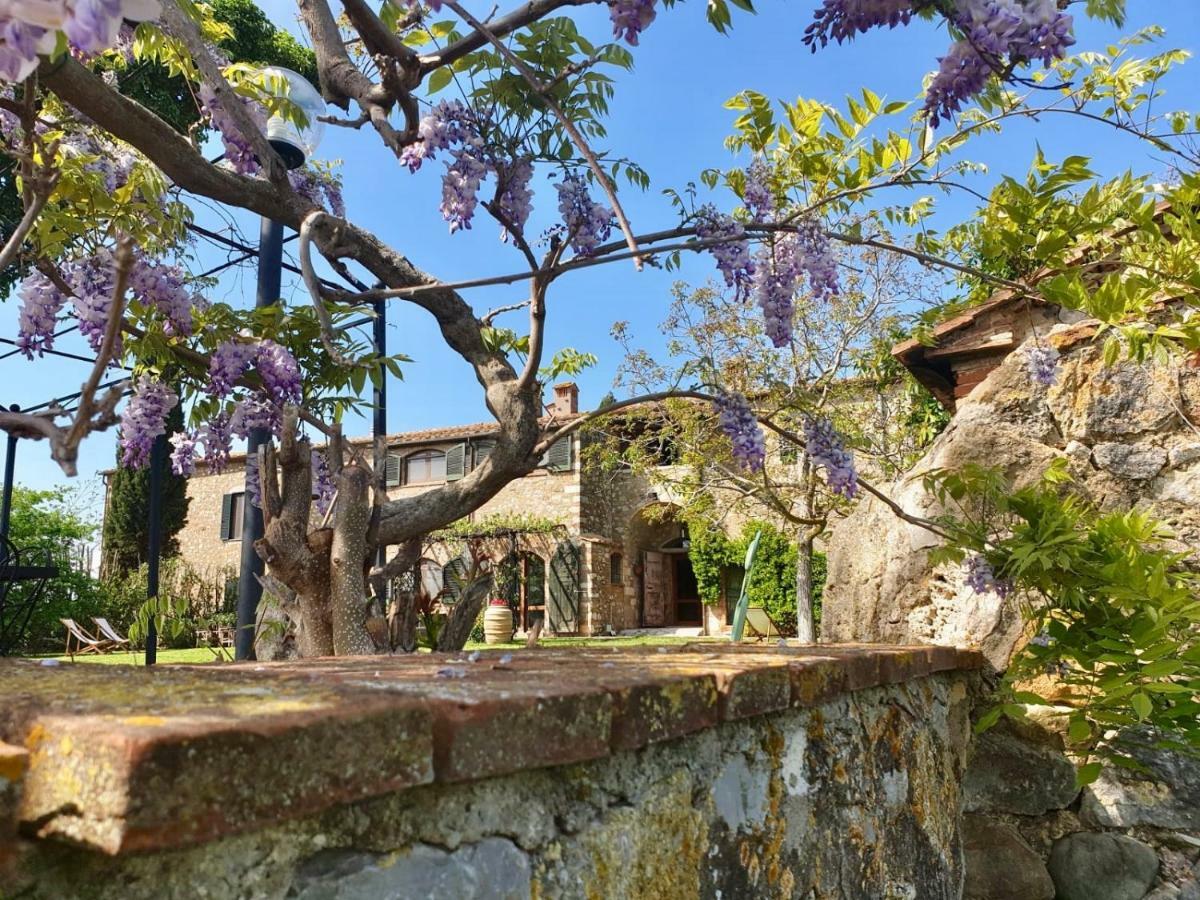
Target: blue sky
(667, 115)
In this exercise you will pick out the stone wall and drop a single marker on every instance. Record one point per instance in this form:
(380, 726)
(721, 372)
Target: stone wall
(709, 772)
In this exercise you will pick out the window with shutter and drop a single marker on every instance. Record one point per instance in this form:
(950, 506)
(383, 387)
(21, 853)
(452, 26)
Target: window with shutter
(456, 462)
(391, 470)
(482, 451)
(558, 457)
(232, 511)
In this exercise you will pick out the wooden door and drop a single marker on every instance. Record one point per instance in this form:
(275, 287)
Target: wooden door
(654, 589)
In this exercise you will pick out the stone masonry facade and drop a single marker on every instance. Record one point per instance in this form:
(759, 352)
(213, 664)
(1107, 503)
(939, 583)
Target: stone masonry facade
(710, 771)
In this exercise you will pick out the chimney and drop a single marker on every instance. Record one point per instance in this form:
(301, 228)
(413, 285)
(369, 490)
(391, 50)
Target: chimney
(566, 399)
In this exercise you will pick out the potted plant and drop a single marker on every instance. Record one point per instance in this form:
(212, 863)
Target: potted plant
(498, 622)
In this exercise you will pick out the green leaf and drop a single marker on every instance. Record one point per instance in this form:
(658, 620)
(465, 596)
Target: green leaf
(439, 79)
(1141, 705)
(1088, 773)
(1079, 730)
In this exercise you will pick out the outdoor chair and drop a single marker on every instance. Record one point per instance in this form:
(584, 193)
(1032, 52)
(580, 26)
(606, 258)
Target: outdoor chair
(109, 633)
(79, 641)
(760, 625)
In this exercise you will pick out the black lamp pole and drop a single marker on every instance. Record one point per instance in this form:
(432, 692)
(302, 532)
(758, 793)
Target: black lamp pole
(10, 461)
(270, 274)
(379, 424)
(158, 462)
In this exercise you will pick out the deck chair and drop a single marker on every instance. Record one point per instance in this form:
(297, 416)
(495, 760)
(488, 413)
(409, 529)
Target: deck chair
(759, 624)
(109, 633)
(79, 641)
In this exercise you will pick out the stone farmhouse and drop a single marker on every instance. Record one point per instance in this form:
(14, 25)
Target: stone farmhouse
(616, 559)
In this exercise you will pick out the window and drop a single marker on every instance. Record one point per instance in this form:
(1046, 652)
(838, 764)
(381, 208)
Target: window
(233, 509)
(424, 467)
(614, 568)
(431, 579)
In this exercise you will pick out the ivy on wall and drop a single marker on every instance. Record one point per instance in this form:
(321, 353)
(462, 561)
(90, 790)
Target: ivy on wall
(773, 583)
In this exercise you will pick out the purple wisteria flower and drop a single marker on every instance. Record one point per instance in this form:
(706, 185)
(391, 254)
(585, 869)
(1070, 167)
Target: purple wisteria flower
(323, 488)
(446, 124)
(1042, 364)
(93, 281)
(981, 577)
(144, 419)
(962, 73)
(733, 253)
(514, 197)
(41, 302)
(840, 20)
(280, 372)
(757, 195)
(162, 287)
(227, 364)
(183, 454)
(319, 188)
(460, 185)
(255, 412)
(238, 151)
(217, 438)
(1041, 639)
(739, 423)
(776, 273)
(826, 447)
(588, 223)
(630, 18)
(817, 259)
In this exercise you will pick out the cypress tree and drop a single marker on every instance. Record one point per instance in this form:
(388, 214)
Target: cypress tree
(127, 514)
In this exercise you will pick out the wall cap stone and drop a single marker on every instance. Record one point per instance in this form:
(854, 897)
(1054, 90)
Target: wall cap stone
(125, 759)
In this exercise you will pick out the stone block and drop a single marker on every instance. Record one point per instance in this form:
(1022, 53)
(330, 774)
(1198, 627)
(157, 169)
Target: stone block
(1165, 795)
(999, 865)
(1091, 866)
(1139, 462)
(1010, 774)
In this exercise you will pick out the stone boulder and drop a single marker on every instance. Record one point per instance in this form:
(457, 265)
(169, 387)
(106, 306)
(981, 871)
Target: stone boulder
(1121, 429)
(1011, 773)
(1090, 866)
(999, 864)
(1165, 794)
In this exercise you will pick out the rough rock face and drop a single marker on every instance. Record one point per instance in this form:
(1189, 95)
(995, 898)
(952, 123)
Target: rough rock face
(1088, 866)
(1122, 429)
(1000, 865)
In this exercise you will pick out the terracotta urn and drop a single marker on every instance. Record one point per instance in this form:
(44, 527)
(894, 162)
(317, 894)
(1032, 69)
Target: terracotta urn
(497, 622)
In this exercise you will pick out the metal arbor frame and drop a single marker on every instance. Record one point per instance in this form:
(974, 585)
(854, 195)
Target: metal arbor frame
(15, 565)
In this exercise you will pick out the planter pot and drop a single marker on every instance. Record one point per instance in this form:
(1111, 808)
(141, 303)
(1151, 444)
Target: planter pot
(497, 625)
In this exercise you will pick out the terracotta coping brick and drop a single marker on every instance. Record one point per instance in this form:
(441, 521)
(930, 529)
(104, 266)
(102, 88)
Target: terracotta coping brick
(146, 759)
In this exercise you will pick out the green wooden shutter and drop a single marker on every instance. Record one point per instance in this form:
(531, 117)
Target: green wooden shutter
(456, 462)
(482, 451)
(558, 457)
(391, 470)
(454, 577)
(227, 517)
(563, 610)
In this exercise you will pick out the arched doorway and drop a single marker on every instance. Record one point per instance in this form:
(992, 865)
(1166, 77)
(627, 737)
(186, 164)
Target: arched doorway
(667, 588)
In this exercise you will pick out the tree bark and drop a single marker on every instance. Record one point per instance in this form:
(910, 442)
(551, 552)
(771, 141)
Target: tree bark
(461, 620)
(805, 627)
(348, 563)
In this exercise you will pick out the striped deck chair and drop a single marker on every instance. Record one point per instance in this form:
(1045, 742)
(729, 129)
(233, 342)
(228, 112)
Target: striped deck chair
(79, 641)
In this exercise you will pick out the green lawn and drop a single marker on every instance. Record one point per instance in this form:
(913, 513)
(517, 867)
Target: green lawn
(204, 655)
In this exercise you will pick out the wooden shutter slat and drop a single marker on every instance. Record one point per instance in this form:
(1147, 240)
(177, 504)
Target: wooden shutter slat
(456, 462)
(391, 470)
(227, 517)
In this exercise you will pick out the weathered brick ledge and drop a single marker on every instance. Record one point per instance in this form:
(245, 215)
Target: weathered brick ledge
(122, 759)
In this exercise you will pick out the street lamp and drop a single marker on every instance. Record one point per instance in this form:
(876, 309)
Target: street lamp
(294, 144)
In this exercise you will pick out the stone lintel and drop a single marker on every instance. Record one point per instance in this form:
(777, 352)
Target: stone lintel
(124, 759)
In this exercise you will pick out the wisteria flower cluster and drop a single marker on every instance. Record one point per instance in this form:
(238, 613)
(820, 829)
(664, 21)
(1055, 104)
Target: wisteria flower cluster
(255, 412)
(757, 195)
(740, 425)
(30, 27)
(163, 287)
(253, 481)
(183, 453)
(981, 577)
(630, 18)
(41, 302)
(733, 253)
(817, 259)
(274, 363)
(1042, 364)
(827, 448)
(238, 151)
(588, 223)
(454, 127)
(322, 482)
(994, 33)
(320, 188)
(777, 273)
(144, 419)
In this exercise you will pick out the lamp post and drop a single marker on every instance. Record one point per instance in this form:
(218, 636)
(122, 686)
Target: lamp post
(294, 144)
